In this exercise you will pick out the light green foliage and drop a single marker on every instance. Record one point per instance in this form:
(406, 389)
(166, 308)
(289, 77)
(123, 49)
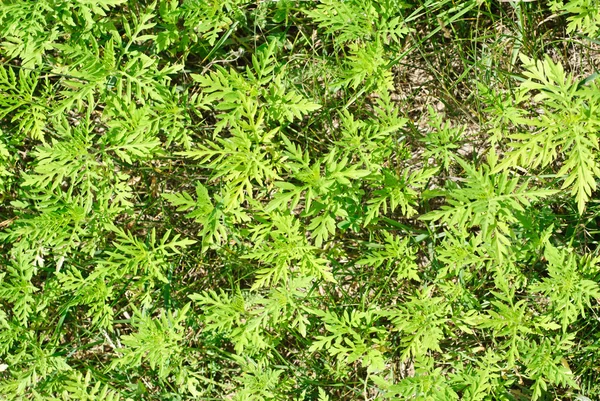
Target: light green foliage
(395, 253)
(442, 141)
(285, 251)
(241, 200)
(356, 21)
(144, 258)
(259, 382)
(79, 387)
(352, 337)
(157, 340)
(211, 217)
(565, 123)
(426, 384)
(583, 15)
(19, 97)
(488, 201)
(568, 291)
(246, 318)
(420, 320)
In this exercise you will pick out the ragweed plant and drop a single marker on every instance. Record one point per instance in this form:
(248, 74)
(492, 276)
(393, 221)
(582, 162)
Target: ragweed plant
(252, 201)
